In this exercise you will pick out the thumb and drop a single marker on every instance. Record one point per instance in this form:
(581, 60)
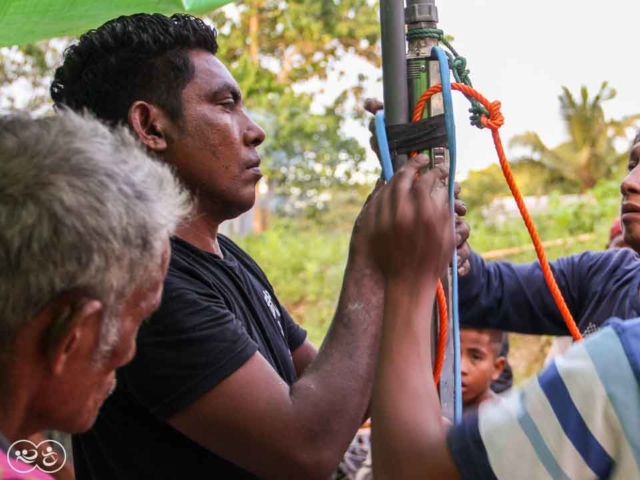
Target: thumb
(379, 184)
(405, 177)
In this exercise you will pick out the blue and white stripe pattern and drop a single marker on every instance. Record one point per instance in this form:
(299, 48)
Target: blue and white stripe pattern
(580, 419)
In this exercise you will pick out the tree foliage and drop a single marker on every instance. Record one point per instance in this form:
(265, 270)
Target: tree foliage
(26, 73)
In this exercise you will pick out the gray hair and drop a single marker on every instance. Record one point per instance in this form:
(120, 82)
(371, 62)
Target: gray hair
(82, 208)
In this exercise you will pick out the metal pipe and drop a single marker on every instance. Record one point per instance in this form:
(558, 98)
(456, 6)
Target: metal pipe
(394, 67)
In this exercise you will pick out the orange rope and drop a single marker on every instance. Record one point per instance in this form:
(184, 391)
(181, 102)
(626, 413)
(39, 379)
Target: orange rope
(443, 317)
(442, 333)
(494, 122)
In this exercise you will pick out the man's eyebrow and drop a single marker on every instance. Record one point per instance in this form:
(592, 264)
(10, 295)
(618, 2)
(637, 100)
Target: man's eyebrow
(227, 88)
(474, 348)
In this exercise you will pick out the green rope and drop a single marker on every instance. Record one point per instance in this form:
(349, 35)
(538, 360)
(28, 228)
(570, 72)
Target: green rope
(458, 65)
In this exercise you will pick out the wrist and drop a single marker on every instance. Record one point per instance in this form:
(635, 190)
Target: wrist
(417, 288)
(362, 264)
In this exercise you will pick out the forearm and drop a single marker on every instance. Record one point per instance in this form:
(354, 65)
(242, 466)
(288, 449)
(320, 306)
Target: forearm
(406, 411)
(257, 421)
(333, 394)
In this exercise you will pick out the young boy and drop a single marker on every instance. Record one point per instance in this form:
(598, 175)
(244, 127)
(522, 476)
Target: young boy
(481, 364)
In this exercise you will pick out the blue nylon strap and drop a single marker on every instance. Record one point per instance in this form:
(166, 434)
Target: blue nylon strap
(383, 146)
(449, 121)
(387, 174)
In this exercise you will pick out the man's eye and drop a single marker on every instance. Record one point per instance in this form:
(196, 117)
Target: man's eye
(230, 104)
(632, 165)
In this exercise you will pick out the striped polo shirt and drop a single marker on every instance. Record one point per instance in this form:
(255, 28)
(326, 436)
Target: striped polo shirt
(580, 419)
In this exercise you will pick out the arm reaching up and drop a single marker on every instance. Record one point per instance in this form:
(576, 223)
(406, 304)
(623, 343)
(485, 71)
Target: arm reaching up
(413, 247)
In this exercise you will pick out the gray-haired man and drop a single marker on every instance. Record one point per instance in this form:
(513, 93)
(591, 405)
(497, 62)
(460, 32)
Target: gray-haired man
(85, 220)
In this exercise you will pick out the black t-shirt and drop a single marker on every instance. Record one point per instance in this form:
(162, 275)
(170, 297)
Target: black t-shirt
(215, 314)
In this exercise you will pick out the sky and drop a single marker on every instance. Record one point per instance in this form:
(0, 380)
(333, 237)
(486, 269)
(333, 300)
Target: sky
(522, 53)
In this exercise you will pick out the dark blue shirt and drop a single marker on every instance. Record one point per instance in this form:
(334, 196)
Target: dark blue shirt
(595, 285)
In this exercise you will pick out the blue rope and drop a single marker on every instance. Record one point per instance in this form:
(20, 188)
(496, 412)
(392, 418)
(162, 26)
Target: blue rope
(383, 146)
(387, 173)
(449, 121)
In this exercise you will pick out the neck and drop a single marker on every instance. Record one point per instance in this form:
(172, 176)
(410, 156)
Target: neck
(15, 410)
(201, 232)
(475, 403)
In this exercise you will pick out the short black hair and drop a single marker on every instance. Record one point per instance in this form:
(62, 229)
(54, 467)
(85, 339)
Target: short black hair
(136, 57)
(636, 139)
(497, 339)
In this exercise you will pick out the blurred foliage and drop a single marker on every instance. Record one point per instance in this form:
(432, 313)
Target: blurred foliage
(26, 73)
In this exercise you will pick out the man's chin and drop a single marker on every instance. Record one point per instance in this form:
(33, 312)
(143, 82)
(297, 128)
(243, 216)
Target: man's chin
(241, 205)
(632, 236)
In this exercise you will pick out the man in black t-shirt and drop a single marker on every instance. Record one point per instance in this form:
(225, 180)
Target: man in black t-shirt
(224, 384)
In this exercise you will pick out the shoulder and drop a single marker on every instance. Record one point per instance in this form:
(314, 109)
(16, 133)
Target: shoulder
(627, 339)
(617, 262)
(193, 293)
(229, 246)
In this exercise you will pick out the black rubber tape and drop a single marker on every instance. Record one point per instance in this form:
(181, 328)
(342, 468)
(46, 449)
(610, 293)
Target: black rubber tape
(417, 136)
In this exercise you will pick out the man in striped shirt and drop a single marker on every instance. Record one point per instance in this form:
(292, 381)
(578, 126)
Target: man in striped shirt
(580, 419)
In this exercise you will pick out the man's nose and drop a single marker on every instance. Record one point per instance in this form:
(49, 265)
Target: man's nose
(254, 135)
(464, 365)
(631, 183)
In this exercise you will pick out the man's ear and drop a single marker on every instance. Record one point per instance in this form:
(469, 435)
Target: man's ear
(498, 366)
(81, 336)
(149, 123)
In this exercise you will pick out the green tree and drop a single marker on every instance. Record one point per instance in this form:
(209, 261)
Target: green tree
(590, 153)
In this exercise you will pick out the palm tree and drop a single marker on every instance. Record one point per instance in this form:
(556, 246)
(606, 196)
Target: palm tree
(589, 154)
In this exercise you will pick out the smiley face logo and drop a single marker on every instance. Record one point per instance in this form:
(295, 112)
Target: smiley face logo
(24, 456)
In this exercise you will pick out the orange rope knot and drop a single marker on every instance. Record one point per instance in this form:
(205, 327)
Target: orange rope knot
(496, 119)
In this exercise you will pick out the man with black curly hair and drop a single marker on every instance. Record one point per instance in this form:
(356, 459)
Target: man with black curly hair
(225, 383)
